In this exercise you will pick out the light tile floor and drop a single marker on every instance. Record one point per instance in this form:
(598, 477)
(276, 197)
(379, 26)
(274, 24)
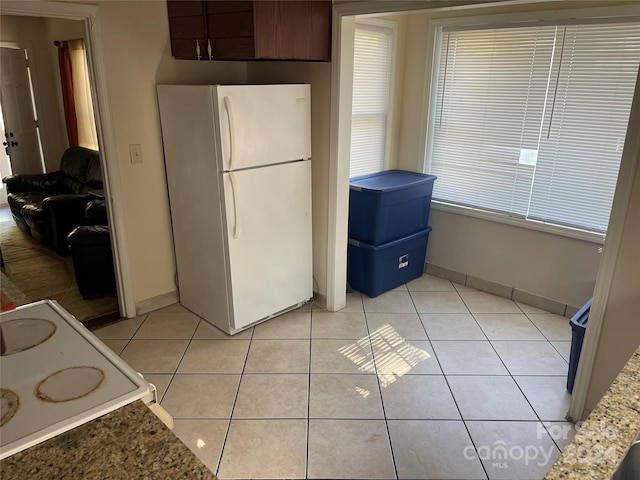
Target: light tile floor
(429, 381)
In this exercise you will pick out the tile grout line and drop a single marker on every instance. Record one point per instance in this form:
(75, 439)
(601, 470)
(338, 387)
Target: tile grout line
(128, 341)
(235, 399)
(306, 463)
(513, 379)
(464, 422)
(175, 371)
(384, 413)
(522, 391)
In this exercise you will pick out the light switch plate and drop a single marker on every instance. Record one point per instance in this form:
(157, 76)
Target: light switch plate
(135, 152)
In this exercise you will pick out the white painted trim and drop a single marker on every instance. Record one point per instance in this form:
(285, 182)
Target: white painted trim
(69, 11)
(111, 166)
(90, 15)
(604, 279)
(432, 65)
(538, 17)
(390, 7)
(158, 302)
(340, 144)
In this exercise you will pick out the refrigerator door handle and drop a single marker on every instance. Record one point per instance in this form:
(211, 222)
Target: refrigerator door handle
(227, 105)
(236, 217)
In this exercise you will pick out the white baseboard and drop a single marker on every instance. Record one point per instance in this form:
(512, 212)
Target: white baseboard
(154, 303)
(502, 290)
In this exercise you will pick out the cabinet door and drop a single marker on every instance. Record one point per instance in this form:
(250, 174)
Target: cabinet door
(250, 29)
(230, 26)
(187, 29)
(293, 30)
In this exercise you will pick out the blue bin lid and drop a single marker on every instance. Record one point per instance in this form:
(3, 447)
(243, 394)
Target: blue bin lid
(582, 315)
(389, 180)
(392, 243)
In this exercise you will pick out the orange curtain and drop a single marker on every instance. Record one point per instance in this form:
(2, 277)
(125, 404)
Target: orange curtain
(87, 134)
(66, 80)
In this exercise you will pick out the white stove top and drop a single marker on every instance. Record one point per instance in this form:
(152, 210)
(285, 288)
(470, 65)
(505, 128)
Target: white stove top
(56, 375)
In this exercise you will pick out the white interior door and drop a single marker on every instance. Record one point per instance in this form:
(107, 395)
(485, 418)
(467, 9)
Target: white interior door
(269, 238)
(263, 124)
(21, 132)
(5, 166)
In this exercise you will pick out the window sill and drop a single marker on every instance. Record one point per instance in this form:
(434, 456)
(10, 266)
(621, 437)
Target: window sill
(517, 222)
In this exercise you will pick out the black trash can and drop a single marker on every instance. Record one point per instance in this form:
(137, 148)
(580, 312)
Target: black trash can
(578, 326)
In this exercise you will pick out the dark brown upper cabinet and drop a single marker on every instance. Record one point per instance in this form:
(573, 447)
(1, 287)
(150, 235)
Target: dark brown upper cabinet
(250, 30)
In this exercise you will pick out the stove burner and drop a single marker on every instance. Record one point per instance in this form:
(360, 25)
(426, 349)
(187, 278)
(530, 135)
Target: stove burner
(69, 384)
(25, 333)
(9, 405)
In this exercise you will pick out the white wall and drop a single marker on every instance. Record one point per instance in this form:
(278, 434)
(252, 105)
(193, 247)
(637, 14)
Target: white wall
(620, 334)
(551, 266)
(318, 75)
(138, 56)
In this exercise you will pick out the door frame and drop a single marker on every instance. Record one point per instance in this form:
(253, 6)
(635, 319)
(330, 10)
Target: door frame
(340, 136)
(90, 16)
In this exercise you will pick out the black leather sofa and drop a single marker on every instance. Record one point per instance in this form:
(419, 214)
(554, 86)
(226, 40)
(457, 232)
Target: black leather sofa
(49, 205)
(90, 247)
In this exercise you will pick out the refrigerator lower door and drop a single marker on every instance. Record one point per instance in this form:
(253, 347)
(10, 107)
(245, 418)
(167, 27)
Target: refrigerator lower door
(268, 214)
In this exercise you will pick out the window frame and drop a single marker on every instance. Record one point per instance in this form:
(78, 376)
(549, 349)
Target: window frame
(393, 26)
(434, 37)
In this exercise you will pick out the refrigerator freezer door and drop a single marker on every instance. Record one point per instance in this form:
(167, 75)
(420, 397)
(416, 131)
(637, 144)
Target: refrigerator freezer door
(263, 124)
(269, 235)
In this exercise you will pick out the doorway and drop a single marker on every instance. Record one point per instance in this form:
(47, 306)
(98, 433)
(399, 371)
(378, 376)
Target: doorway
(44, 205)
(88, 17)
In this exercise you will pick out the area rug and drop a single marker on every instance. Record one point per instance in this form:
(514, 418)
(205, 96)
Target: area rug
(10, 295)
(40, 273)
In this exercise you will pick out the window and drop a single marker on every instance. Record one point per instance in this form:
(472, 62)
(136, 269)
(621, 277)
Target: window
(373, 64)
(87, 133)
(530, 121)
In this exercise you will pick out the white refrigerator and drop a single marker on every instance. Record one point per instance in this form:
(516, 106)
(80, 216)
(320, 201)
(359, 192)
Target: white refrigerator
(239, 179)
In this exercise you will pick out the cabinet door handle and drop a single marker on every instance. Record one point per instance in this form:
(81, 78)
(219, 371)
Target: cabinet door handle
(198, 49)
(209, 51)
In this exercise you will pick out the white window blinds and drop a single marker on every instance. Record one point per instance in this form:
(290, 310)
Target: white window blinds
(371, 91)
(530, 121)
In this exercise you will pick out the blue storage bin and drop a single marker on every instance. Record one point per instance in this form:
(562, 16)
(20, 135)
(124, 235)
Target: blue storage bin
(375, 269)
(578, 327)
(388, 205)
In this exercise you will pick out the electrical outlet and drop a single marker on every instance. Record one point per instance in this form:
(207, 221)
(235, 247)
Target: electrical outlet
(135, 152)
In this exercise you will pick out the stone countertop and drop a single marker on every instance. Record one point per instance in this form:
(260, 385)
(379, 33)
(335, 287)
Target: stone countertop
(128, 443)
(603, 439)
